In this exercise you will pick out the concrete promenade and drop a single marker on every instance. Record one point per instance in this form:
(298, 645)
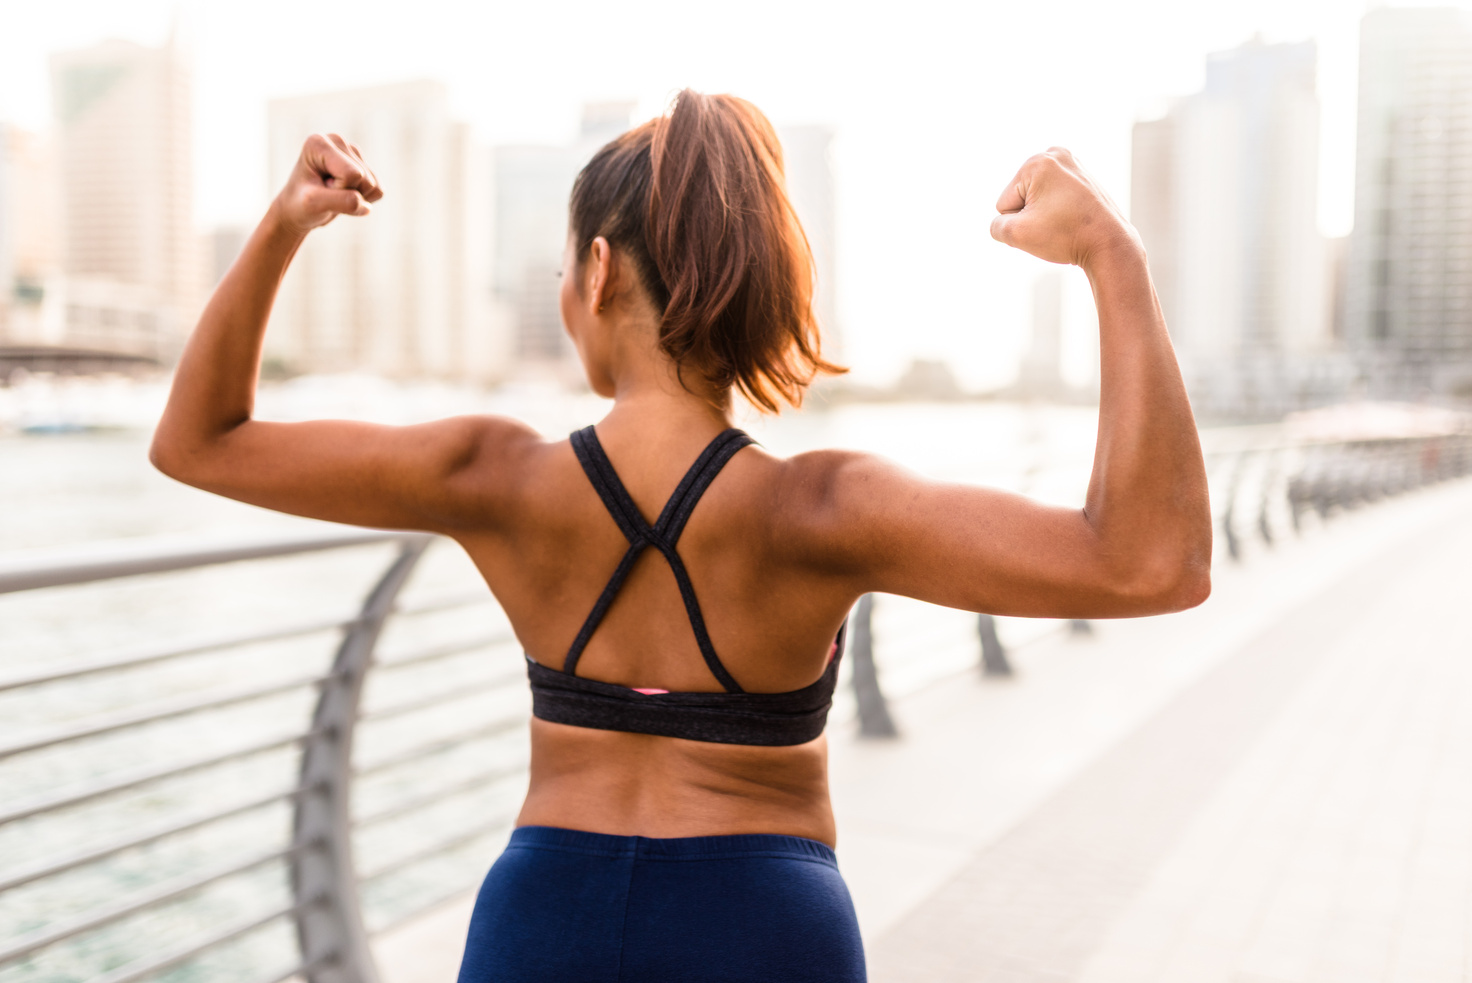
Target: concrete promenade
(1273, 788)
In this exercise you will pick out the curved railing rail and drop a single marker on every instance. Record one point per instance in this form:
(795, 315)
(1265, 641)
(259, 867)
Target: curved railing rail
(1269, 485)
(288, 840)
(301, 885)
(1264, 483)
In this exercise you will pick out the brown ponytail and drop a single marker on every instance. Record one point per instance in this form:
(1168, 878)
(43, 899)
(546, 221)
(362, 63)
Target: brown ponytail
(698, 201)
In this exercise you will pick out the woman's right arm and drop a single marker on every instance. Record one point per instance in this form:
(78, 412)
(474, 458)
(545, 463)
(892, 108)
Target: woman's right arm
(440, 476)
(1142, 542)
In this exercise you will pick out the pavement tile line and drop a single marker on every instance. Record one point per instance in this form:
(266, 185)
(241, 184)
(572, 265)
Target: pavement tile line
(1035, 905)
(1341, 848)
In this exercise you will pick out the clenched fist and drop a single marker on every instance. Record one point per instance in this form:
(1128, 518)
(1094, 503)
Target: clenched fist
(1054, 210)
(329, 179)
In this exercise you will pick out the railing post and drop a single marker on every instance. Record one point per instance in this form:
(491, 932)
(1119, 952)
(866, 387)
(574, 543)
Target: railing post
(874, 718)
(1229, 527)
(324, 882)
(1269, 479)
(993, 655)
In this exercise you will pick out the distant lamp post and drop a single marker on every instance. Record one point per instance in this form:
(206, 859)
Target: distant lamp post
(874, 718)
(993, 656)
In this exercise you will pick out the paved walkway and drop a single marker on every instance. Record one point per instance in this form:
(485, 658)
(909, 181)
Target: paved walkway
(1299, 808)
(1273, 788)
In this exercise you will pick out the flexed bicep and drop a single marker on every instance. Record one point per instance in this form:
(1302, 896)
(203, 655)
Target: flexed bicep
(404, 477)
(440, 476)
(883, 528)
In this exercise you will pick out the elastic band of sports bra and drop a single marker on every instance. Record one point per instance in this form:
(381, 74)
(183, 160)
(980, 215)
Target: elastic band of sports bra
(757, 719)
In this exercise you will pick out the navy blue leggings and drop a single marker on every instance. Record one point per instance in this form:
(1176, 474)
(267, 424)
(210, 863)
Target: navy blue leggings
(564, 905)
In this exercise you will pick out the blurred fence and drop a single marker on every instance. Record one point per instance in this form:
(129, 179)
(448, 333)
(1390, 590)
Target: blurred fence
(251, 770)
(1264, 488)
(229, 851)
(1264, 485)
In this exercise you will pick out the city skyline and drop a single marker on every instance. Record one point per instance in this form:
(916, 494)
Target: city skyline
(407, 293)
(992, 332)
(97, 246)
(455, 279)
(931, 115)
(1222, 188)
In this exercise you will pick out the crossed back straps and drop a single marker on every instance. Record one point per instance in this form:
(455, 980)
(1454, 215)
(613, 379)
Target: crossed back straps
(663, 535)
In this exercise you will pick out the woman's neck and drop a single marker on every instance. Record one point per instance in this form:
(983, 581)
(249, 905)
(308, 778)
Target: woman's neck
(650, 390)
(651, 407)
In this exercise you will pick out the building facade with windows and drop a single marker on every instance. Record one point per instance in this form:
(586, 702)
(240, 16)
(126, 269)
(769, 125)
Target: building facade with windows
(405, 292)
(1224, 192)
(1408, 282)
(97, 250)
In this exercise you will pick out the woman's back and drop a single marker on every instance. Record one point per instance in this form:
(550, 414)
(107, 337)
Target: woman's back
(770, 621)
(560, 546)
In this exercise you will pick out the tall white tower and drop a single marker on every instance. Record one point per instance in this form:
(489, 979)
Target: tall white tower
(122, 115)
(405, 292)
(807, 156)
(1225, 193)
(1408, 287)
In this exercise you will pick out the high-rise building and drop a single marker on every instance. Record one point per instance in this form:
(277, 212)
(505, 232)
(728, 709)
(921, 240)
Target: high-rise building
(1153, 205)
(7, 232)
(32, 209)
(533, 184)
(1408, 284)
(1224, 193)
(806, 153)
(219, 248)
(405, 292)
(123, 164)
(1061, 306)
(1041, 370)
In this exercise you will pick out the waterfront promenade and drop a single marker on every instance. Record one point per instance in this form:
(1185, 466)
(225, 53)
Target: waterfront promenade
(1273, 788)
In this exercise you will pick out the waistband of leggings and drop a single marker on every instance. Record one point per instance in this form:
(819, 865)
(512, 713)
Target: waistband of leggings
(674, 848)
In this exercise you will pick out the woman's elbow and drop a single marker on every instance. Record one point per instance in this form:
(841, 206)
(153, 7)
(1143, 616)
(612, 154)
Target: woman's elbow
(1191, 588)
(168, 454)
(163, 456)
(1193, 584)
(1177, 573)
(1167, 584)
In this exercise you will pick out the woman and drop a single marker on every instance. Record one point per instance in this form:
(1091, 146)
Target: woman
(683, 624)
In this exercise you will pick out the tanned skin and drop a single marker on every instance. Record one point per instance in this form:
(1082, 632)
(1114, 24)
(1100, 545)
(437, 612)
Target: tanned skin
(779, 549)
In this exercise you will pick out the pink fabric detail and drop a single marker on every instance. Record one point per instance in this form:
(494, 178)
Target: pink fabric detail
(832, 650)
(648, 691)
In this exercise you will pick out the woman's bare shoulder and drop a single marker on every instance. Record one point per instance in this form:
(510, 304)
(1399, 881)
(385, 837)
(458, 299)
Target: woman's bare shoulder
(497, 440)
(496, 459)
(821, 501)
(834, 477)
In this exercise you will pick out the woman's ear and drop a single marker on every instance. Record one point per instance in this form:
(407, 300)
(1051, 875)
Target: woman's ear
(600, 275)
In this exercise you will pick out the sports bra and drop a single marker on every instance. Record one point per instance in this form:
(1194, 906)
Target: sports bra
(732, 717)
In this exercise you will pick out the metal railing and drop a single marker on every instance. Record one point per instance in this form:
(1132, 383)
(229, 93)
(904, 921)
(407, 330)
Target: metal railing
(1270, 485)
(1259, 476)
(141, 867)
(277, 845)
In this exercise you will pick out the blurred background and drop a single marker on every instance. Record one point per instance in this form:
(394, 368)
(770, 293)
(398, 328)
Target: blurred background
(178, 672)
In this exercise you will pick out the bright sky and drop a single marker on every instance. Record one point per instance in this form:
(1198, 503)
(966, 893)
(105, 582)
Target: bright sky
(935, 105)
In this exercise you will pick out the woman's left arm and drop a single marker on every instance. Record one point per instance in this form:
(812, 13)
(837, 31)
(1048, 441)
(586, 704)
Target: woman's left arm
(396, 477)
